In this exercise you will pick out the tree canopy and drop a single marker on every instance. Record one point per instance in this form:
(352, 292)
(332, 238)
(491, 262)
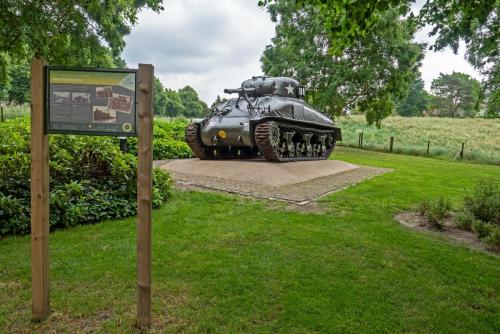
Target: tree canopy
(456, 94)
(184, 102)
(78, 32)
(415, 103)
(371, 70)
(477, 23)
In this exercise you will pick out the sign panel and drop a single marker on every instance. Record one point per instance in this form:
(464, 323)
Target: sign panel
(91, 101)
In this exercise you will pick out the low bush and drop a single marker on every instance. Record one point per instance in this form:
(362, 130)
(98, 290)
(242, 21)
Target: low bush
(435, 211)
(481, 212)
(90, 179)
(484, 202)
(464, 220)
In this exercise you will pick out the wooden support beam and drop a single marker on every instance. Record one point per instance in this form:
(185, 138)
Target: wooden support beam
(144, 194)
(391, 144)
(39, 196)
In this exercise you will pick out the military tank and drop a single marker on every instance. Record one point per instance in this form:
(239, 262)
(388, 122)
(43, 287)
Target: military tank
(269, 118)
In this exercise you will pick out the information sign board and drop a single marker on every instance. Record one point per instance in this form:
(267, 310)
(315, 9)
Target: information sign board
(91, 101)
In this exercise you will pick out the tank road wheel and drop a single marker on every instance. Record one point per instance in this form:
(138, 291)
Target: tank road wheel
(309, 149)
(301, 149)
(193, 139)
(290, 146)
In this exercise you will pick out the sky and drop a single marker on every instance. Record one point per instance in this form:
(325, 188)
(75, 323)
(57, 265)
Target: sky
(212, 45)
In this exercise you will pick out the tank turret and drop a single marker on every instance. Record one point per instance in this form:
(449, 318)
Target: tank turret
(268, 118)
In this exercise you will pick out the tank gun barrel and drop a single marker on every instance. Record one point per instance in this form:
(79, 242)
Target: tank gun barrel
(241, 91)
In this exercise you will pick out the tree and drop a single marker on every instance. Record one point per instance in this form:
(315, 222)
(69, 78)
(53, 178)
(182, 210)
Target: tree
(19, 91)
(194, 107)
(477, 23)
(77, 32)
(456, 92)
(174, 106)
(159, 98)
(370, 71)
(415, 103)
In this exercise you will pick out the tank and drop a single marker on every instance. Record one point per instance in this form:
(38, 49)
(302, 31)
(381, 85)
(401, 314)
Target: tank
(269, 119)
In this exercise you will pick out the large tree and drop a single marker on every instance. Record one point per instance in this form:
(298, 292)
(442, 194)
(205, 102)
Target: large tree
(415, 103)
(70, 32)
(194, 106)
(171, 103)
(369, 72)
(457, 94)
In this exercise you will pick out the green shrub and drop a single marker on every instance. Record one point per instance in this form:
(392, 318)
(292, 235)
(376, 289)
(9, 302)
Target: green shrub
(481, 229)
(493, 238)
(435, 211)
(423, 207)
(464, 220)
(484, 203)
(90, 179)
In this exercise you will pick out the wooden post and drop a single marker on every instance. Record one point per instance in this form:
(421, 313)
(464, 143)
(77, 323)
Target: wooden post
(428, 146)
(391, 144)
(144, 194)
(39, 196)
(362, 134)
(1, 113)
(462, 151)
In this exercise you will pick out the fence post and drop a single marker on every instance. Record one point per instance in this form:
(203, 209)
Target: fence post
(144, 194)
(462, 151)
(428, 145)
(39, 197)
(360, 140)
(1, 113)
(391, 144)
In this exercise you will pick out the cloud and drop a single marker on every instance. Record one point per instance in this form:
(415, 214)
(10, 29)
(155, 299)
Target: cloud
(205, 44)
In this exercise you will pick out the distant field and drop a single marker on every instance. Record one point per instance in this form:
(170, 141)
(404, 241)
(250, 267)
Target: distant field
(411, 134)
(15, 111)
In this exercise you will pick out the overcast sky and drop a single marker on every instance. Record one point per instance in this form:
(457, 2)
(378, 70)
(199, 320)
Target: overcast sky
(212, 45)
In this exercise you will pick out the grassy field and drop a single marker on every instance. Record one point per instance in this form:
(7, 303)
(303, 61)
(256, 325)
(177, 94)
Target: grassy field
(230, 265)
(481, 136)
(15, 111)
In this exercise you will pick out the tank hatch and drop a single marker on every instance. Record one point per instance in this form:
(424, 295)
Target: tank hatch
(280, 86)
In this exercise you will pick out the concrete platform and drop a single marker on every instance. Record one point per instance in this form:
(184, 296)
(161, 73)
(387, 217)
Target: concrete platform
(260, 172)
(296, 182)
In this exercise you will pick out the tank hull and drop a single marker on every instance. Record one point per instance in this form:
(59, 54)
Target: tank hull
(273, 127)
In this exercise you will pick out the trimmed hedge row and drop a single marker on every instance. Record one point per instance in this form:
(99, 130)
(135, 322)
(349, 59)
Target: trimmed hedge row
(90, 178)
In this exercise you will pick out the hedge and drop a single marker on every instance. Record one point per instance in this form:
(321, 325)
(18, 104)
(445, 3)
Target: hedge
(90, 178)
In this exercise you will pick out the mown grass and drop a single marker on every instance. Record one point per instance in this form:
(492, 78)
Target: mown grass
(224, 264)
(411, 135)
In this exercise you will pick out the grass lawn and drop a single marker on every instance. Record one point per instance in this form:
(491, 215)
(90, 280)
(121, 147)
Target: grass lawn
(226, 264)
(481, 136)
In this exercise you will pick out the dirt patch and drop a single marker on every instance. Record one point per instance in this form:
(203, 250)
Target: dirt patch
(449, 230)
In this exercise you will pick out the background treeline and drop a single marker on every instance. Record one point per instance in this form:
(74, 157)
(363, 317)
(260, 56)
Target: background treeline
(15, 90)
(452, 95)
(183, 102)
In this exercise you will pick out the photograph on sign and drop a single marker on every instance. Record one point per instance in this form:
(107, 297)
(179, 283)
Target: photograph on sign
(95, 102)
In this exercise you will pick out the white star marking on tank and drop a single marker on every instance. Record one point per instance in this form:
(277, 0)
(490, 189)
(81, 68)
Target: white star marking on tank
(289, 88)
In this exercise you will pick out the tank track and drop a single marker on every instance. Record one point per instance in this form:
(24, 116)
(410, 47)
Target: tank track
(193, 139)
(278, 141)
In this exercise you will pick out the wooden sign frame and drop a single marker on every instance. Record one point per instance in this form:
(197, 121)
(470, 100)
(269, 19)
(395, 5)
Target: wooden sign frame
(40, 260)
(82, 71)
